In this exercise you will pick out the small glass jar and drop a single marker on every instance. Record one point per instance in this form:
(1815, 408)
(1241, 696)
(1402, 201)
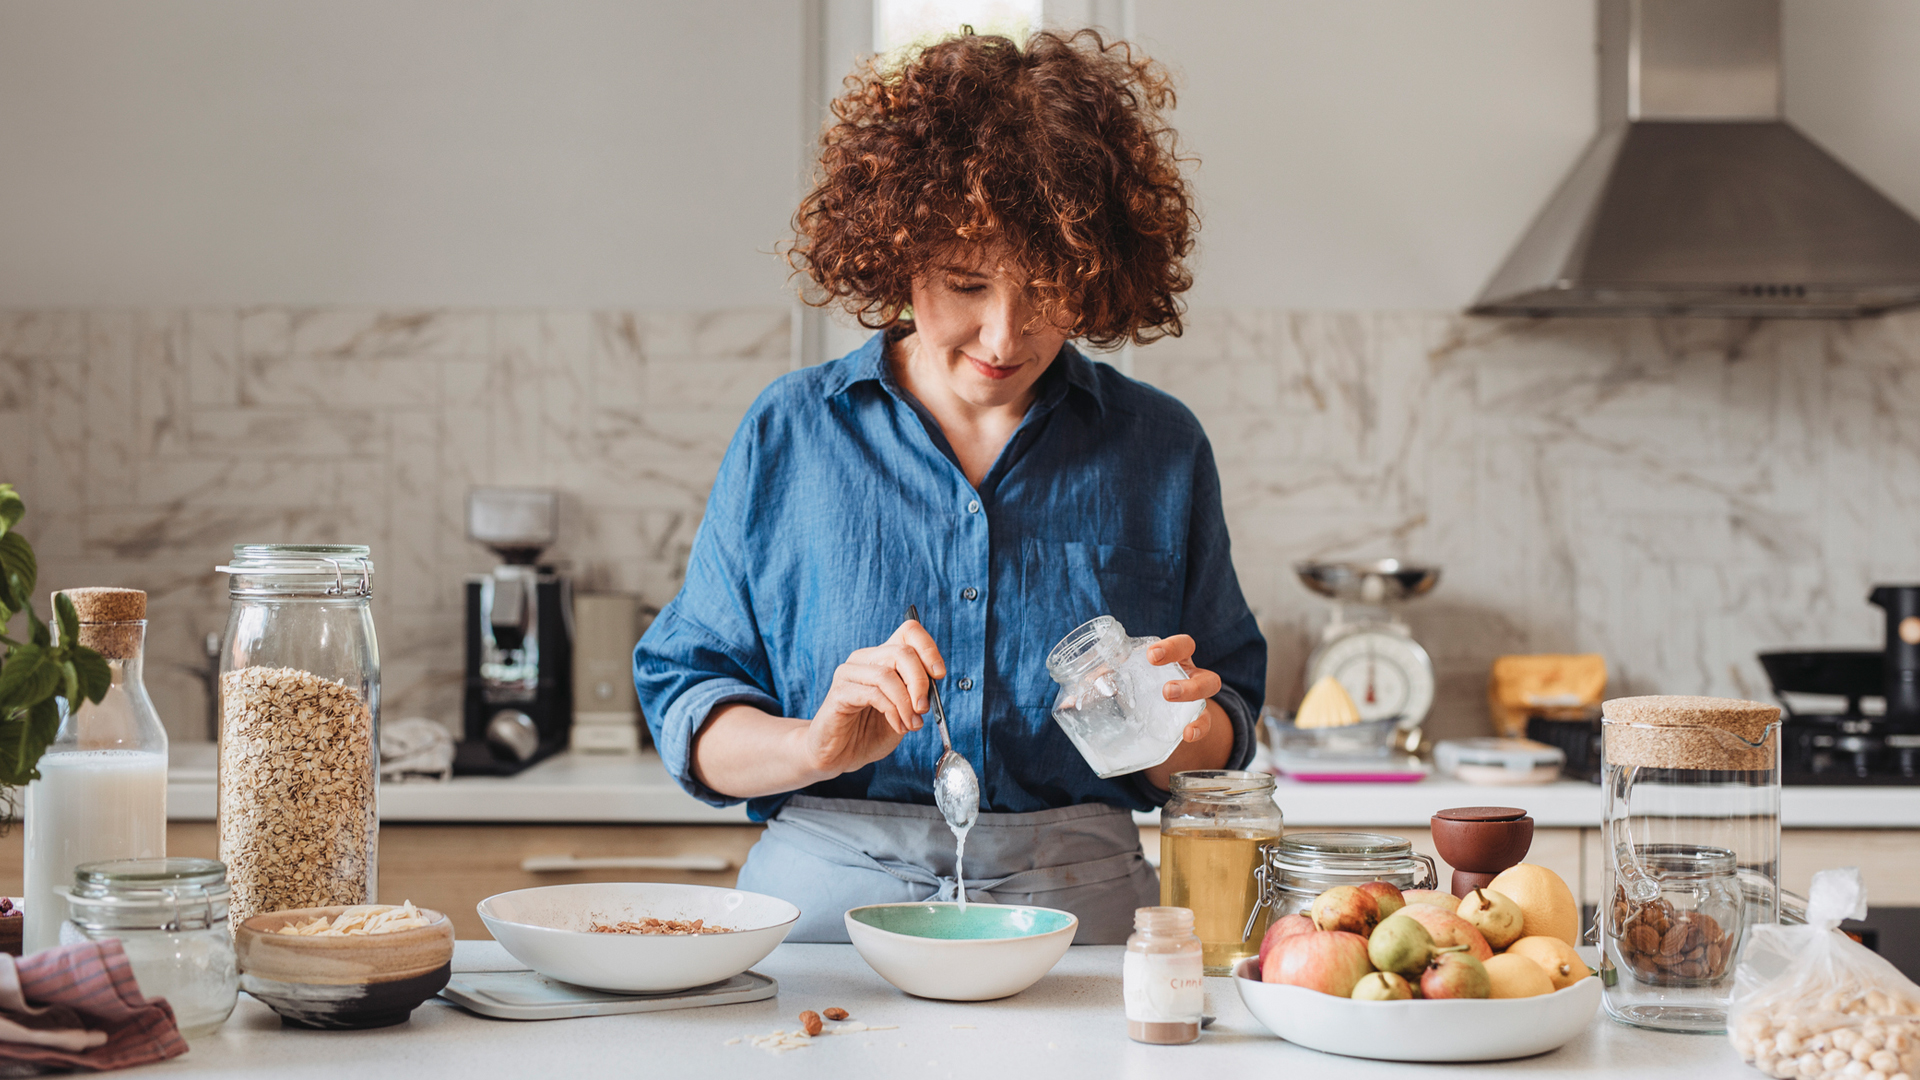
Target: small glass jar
(299, 729)
(170, 916)
(1112, 702)
(102, 792)
(1304, 865)
(1214, 833)
(1161, 979)
(1692, 827)
(1684, 933)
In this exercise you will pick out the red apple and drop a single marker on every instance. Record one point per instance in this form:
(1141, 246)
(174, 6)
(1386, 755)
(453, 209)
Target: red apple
(1455, 975)
(1432, 898)
(1283, 928)
(1386, 895)
(1330, 961)
(1447, 929)
(1345, 907)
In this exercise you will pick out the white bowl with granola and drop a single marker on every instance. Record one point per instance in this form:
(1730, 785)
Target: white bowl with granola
(636, 937)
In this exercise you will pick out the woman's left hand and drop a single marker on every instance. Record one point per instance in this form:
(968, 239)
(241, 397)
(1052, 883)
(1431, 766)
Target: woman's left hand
(1199, 685)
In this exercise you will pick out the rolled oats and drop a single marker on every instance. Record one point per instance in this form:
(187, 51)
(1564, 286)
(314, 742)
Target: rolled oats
(297, 818)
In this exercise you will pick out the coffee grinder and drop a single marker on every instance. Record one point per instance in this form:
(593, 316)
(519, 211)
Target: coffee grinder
(518, 701)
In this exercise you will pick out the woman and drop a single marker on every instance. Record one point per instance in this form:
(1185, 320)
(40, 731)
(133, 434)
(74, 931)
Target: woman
(980, 206)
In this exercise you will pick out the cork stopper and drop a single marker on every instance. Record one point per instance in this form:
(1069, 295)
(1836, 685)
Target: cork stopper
(111, 620)
(1684, 732)
(106, 605)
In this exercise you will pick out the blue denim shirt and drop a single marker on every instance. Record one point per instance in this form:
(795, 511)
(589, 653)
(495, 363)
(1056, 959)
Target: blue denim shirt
(839, 501)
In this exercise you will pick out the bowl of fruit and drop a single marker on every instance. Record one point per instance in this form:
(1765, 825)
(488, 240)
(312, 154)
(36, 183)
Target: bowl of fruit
(1372, 972)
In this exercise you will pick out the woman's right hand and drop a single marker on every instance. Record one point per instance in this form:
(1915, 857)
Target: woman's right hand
(877, 696)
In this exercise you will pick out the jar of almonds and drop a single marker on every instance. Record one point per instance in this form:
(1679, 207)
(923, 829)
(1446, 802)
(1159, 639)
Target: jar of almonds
(299, 714)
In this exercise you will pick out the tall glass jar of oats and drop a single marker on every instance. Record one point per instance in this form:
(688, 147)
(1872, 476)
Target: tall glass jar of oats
(299, 728)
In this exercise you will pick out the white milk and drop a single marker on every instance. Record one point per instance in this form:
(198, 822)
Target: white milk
(88, 805)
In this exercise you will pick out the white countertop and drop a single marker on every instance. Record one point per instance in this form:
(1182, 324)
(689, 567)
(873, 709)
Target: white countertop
(637, 789)
(1069, 1024)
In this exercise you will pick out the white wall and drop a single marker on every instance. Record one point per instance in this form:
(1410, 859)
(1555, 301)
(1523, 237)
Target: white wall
(1853, 83)
(473, 152)
(1371, 154)
(1355, 154)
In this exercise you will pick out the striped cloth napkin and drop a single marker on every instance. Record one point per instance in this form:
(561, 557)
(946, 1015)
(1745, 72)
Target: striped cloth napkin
(79, 1006)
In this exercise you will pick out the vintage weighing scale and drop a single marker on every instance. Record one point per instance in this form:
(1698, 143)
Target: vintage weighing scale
(1371, 653)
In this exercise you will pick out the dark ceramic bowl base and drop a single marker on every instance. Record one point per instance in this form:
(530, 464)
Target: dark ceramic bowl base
(381, 1004)
(1465, 881)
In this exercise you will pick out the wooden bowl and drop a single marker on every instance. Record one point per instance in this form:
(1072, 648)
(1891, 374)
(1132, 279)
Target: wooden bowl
(357, 981)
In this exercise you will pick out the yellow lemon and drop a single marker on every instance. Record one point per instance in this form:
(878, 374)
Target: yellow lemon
(1517, 977)
(1546, 904)
(1556, 957)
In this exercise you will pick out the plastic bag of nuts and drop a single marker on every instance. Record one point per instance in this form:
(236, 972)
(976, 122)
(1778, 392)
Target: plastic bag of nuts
(1813, 1004)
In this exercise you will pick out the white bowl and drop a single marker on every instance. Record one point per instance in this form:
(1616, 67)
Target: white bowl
(1484, 1030)
(934, 951)
(546, 929)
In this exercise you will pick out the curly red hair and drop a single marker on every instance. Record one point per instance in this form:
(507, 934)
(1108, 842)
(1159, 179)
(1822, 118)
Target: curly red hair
(1055, 155)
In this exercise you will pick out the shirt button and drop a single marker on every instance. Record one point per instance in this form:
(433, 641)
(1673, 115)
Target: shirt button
(964, 683)
(973, 506)
(970, 593)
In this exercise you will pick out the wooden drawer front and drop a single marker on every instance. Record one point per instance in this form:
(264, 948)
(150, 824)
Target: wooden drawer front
(1889, 861)
(453, 867)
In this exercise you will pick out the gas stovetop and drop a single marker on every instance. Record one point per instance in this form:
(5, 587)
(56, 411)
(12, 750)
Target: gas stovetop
(1847, 745)
(1847, 750)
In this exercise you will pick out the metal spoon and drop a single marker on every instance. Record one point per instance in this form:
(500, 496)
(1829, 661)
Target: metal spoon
(956, 789)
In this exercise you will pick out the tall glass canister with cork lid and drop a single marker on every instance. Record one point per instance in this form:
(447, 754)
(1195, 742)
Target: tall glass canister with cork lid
(1214, 832)
(299, 729)
(1691, 845)
(102, 792)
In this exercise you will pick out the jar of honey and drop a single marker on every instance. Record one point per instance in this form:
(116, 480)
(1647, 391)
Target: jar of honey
(1213, 834)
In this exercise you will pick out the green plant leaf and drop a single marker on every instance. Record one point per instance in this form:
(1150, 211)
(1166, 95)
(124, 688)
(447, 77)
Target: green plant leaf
(29, 677)
(70, 684)
(69, 619)
(40, 635)
(11, 508)
(96, 677)
(23, 738)
(20, 569)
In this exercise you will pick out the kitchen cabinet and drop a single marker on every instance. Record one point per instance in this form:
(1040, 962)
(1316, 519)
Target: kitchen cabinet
(452, 867)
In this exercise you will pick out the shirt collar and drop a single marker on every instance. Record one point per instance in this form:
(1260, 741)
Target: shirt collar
(868, 363)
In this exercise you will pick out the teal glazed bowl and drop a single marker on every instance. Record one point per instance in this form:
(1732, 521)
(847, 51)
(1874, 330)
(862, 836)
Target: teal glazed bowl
(935, 950)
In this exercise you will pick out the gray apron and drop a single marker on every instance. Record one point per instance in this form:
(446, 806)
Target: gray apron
(828, 855)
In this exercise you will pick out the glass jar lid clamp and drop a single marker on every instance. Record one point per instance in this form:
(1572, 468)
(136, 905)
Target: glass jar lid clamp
(350, 566)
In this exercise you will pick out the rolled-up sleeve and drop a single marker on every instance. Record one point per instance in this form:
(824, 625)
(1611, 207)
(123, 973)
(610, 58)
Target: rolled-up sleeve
(705, 649)
(1227, 638)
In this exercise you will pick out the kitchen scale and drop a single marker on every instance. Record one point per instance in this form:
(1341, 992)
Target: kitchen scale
(528, 995)
(1371, 653)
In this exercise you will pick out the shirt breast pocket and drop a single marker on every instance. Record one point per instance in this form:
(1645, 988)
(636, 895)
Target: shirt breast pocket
(1065, 583)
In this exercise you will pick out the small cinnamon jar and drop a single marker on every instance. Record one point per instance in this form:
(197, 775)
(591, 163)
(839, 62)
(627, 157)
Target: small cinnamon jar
(1162, 978)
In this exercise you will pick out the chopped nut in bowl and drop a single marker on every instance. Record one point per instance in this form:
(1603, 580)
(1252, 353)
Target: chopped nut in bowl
(358, 966)
(637, 936)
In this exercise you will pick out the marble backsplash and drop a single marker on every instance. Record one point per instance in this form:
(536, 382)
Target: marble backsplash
(1675, 494)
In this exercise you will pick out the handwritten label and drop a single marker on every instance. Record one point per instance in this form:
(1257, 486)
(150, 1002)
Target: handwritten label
(1163, 988)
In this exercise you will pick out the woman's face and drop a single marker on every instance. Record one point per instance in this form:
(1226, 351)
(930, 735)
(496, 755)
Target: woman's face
(977, 330)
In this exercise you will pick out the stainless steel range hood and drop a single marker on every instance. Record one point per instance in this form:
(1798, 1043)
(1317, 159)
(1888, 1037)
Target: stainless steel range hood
(1697, 198)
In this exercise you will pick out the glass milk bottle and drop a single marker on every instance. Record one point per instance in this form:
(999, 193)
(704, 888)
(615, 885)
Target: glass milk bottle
(102, 792)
